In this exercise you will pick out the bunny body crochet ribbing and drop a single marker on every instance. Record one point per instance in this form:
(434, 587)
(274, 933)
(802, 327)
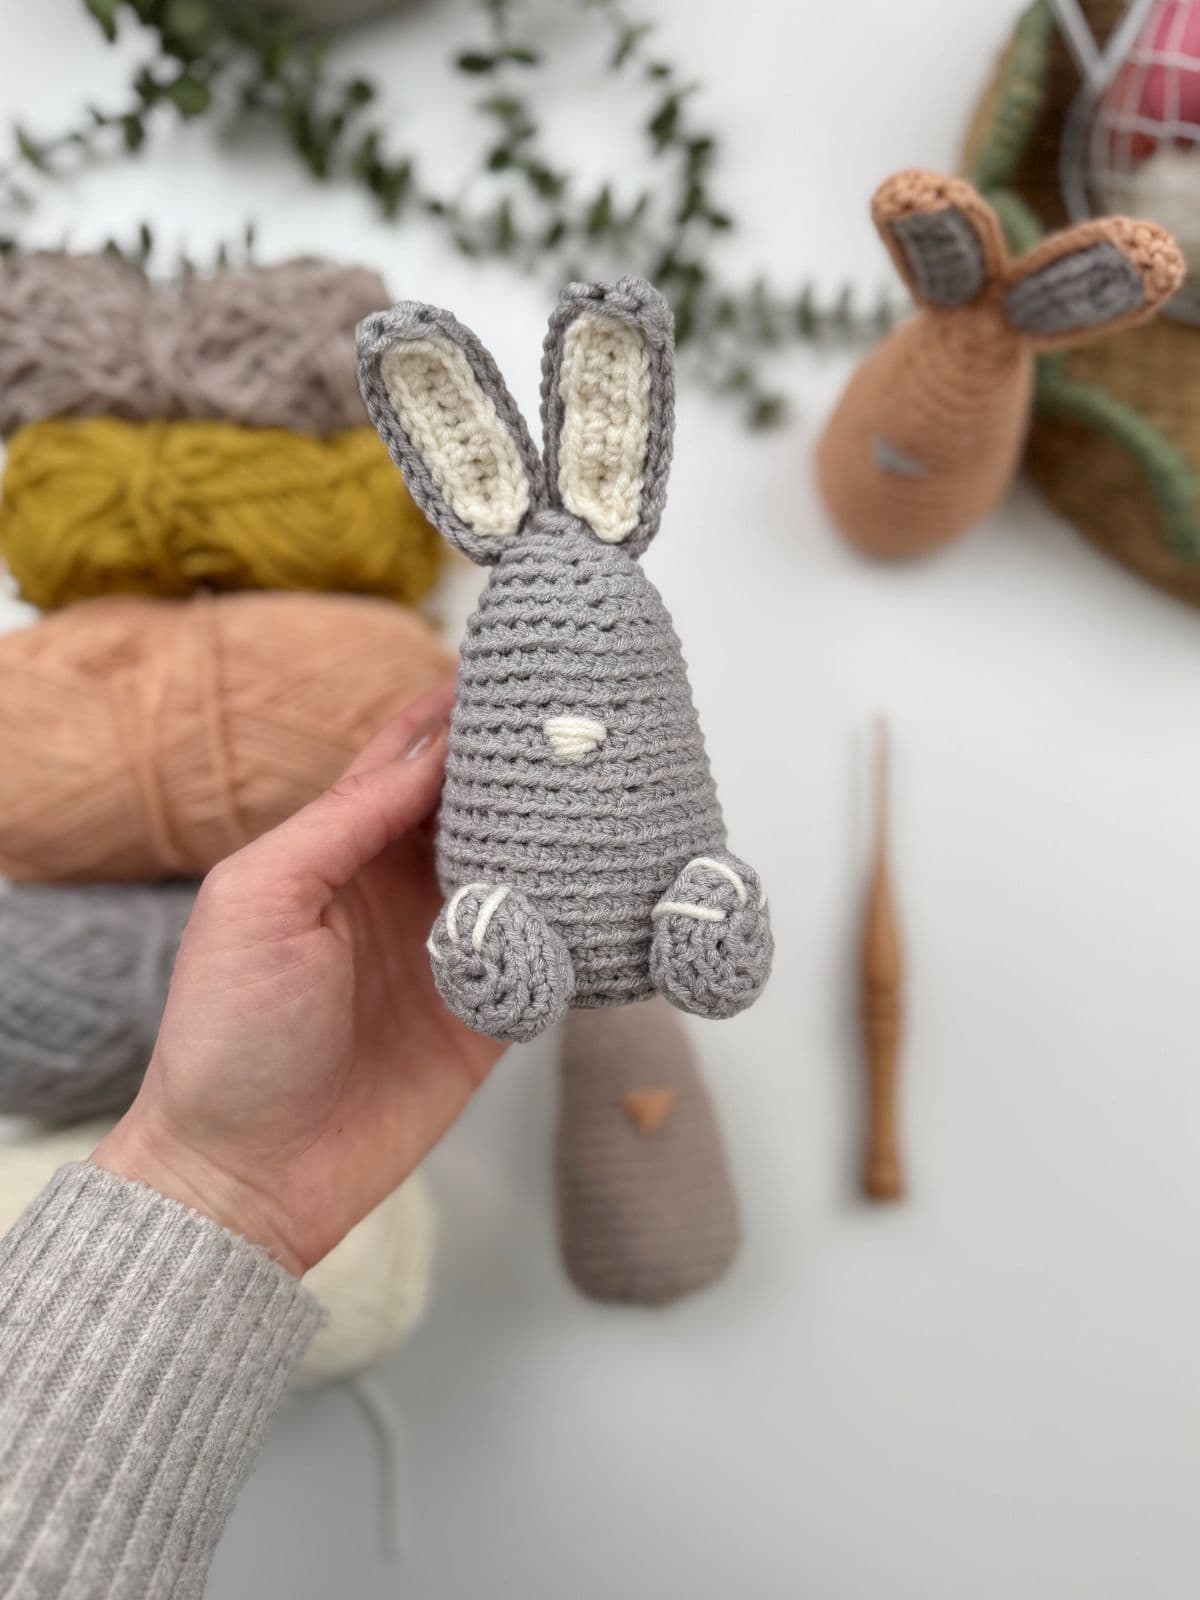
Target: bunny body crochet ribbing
(581, 845)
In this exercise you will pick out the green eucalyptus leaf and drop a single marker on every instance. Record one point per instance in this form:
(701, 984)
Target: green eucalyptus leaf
(147, 87)
(724, 312)
(505, 227)
(693, 204)
(105, 13)
(544, 181)
(189, 22)
(359, 92)
(599, 216)
(664, 122)
(475, 61)
(767, 410)
(631, 35)
(188, 95)
(31, 151)
(505, 106)
(364, 159)
(392, 187)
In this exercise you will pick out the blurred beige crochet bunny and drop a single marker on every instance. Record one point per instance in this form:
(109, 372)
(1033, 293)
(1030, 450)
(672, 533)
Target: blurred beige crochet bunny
(928, 434)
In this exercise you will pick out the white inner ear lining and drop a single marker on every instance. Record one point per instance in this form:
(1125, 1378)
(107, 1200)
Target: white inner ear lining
(604, 383)
(456, 430)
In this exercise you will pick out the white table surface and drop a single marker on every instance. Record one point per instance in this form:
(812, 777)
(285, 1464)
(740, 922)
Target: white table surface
(989, 1392)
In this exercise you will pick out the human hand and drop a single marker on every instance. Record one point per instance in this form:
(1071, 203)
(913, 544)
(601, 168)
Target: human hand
(305, 1063)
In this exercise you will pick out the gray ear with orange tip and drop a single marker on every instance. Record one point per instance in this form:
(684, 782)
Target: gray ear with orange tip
(945, 241)
(1092, 279)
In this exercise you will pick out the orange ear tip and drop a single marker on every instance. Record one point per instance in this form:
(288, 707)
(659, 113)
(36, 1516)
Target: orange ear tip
(1153, 252)
(914, 191)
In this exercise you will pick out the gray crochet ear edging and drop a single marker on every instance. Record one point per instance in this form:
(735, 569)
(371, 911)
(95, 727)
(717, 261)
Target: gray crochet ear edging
(637, 303)
(407, 322)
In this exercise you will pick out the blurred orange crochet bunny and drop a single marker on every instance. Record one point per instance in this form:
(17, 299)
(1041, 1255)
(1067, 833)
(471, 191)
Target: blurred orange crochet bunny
(928, 434)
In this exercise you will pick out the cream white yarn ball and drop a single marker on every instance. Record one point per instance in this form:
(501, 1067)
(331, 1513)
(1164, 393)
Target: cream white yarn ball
(374, 1286)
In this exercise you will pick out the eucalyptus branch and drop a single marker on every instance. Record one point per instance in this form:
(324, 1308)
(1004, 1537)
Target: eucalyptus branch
(533, 221)
(521, 204)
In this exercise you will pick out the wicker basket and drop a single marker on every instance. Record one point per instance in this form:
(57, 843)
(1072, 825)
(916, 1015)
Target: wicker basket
(1115, 442)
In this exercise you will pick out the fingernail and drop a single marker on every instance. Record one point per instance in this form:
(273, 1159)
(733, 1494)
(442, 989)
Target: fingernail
(422, 738)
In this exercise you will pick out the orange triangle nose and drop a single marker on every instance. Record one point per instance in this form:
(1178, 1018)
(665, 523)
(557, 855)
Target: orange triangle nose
(648, 1109)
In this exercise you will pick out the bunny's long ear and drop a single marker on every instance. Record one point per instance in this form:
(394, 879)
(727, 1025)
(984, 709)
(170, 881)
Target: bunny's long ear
(946, 242)
(442, 408)
(608, 408)
(1092, 279)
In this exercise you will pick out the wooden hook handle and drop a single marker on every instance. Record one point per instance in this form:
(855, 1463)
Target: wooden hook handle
(882, 979)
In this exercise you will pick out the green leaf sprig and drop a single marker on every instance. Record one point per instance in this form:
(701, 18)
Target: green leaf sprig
(521, 204)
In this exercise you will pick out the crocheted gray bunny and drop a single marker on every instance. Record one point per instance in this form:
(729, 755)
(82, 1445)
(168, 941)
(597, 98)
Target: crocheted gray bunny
(580, 841)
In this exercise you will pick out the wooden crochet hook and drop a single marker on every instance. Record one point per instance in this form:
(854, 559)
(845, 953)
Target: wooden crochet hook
(882, 979)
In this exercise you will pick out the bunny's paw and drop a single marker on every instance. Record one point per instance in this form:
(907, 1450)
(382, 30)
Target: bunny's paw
(712, 946)
(498, 964)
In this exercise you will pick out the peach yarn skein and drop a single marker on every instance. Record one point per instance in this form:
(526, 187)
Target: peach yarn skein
(928, 434)
(144, 739)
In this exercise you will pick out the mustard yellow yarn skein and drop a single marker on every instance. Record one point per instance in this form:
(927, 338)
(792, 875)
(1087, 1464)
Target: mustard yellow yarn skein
(98, 506)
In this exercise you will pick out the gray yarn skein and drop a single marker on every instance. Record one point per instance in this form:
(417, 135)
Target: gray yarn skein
(268, 347)
(586, 880)
(84, 975)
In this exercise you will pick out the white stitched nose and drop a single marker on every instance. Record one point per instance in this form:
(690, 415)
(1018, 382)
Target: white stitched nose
(573, 738)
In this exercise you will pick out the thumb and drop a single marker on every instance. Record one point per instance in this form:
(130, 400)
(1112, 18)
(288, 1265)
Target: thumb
(390, 787)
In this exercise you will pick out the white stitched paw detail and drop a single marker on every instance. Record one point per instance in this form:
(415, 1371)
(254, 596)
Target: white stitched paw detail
(498, 964)
(712, 947)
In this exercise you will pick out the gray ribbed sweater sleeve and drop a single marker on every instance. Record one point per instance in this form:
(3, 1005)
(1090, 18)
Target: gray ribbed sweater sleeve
(143, 1350)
